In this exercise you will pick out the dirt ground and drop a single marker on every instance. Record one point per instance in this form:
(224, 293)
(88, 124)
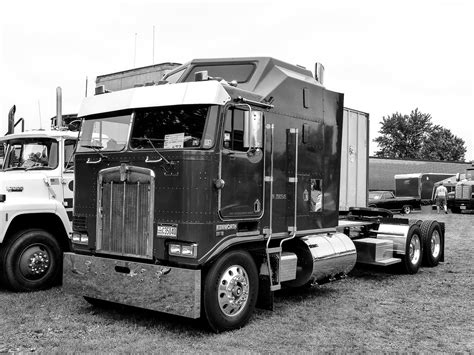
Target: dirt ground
(373, 310)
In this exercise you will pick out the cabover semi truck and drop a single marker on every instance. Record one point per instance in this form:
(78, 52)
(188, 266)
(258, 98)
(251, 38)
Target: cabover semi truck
(36, 194)
(204, 195)
(463, 201)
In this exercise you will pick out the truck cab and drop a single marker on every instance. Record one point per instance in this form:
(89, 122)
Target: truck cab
(463, 201)
(36, 205)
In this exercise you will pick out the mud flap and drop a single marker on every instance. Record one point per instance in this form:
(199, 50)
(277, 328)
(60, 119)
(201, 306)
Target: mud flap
(265, 295)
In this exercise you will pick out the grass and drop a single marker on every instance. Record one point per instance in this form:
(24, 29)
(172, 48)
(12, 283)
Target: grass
(373, 310)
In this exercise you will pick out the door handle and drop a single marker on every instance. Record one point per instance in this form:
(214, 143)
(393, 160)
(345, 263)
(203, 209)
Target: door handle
(89, 161)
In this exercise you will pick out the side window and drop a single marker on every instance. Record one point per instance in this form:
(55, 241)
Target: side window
(69, 146)
(234, 130)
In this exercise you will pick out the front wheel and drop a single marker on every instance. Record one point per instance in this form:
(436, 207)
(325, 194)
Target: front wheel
(230, 291)
(411, 261)
(31, 260)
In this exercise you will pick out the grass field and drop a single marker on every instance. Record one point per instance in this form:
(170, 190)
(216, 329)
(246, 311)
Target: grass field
(377, 310)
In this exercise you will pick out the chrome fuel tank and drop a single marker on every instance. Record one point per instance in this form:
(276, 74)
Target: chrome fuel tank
(333, 255)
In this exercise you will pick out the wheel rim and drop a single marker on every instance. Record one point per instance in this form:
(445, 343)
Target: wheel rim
(233, 290)
(35, 262)
(407, 210)
(415, 249)
(435, 244)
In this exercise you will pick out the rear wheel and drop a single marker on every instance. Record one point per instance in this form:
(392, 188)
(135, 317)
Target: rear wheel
(31, 260)
(406, 209)
(230, 291)
(432, 242)
(411, 261)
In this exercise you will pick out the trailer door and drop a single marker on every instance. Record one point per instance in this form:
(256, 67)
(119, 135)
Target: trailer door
(241, 170)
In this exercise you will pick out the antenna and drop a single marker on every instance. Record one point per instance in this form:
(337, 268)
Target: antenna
(39, 112)
(86, 84)
(153, 57)
(135, 51)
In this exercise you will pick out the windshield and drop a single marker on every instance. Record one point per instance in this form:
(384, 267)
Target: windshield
(32, 153)
(174, 127)
(104, 133)
(375, 195)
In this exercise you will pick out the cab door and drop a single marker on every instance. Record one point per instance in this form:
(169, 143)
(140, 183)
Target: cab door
(67, 180)
(241, 169)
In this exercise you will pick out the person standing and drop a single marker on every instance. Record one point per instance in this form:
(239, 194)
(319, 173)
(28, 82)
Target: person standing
(441, 195)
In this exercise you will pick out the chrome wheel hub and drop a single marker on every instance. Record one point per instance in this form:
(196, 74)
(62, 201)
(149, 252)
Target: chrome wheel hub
(415, 249)
(435, 244)
(233, 290)
(34, 262)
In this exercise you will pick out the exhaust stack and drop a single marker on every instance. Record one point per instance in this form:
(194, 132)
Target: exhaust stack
(11, 120)
(59, 99)
(319, 73)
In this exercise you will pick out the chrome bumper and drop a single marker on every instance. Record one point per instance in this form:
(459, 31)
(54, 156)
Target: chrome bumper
(155, 287)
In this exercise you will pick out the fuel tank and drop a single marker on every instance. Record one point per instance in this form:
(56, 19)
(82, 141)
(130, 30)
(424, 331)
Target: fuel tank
(322, 258)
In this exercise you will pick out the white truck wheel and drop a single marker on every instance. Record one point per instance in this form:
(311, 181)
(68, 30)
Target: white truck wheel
(31, 261)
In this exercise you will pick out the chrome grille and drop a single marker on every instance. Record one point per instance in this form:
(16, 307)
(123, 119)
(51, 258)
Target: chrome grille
(125, 219)
(463, 191)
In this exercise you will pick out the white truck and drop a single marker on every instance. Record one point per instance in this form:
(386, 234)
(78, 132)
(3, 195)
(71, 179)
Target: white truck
(36, 200)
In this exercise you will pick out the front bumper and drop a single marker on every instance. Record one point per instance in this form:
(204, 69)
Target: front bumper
(155, 287)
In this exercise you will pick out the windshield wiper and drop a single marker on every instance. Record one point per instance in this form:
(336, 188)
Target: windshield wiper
(39, 168)
(95, 148)
(15, 168)
(158, 152)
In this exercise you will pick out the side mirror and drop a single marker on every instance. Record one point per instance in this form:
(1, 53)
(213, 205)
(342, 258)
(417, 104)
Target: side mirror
(253, 129)
(458, 177)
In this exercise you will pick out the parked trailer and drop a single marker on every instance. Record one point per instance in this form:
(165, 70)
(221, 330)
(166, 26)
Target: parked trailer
(354, 181)
(36, 199)
(418, 185)
(220, 192)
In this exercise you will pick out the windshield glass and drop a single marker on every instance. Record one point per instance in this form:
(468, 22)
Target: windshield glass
(375, 195)
(173, 127)
(104, 133)
(32, 153)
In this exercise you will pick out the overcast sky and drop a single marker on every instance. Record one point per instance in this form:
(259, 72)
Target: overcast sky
(385, 56)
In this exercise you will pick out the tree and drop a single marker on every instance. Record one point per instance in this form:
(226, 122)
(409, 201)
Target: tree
(415, 137)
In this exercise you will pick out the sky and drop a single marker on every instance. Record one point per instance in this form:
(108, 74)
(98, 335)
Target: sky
(385, 56)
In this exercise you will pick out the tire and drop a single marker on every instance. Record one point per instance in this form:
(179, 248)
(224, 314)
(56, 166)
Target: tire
(433, 243)
(415, 221)
(412, 259)
(406, 209)
(31, 261)
(227, 308)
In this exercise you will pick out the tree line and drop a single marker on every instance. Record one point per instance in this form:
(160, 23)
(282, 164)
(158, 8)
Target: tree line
(414, 136)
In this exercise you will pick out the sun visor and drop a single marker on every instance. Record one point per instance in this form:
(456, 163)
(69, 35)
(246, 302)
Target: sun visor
(208, 92)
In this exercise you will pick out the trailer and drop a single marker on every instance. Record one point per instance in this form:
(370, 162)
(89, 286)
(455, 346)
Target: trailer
(205, 194)
(418, 185)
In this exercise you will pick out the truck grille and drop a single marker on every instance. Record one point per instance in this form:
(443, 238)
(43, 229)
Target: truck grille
(125, 218)
(463, 191)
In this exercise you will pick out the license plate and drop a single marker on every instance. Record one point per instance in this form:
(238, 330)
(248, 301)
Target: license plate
(462, 207)
(167, 231)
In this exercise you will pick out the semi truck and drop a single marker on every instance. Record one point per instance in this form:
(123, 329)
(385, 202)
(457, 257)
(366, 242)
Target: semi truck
(36, 199)
(463, 201)
(205, 194)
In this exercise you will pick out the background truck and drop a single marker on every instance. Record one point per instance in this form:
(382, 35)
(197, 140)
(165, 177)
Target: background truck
(463, 201)
(204, 195)
(36, 200)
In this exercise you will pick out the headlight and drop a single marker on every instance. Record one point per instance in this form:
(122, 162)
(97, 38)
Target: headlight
(184, 250)
(80, 238)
